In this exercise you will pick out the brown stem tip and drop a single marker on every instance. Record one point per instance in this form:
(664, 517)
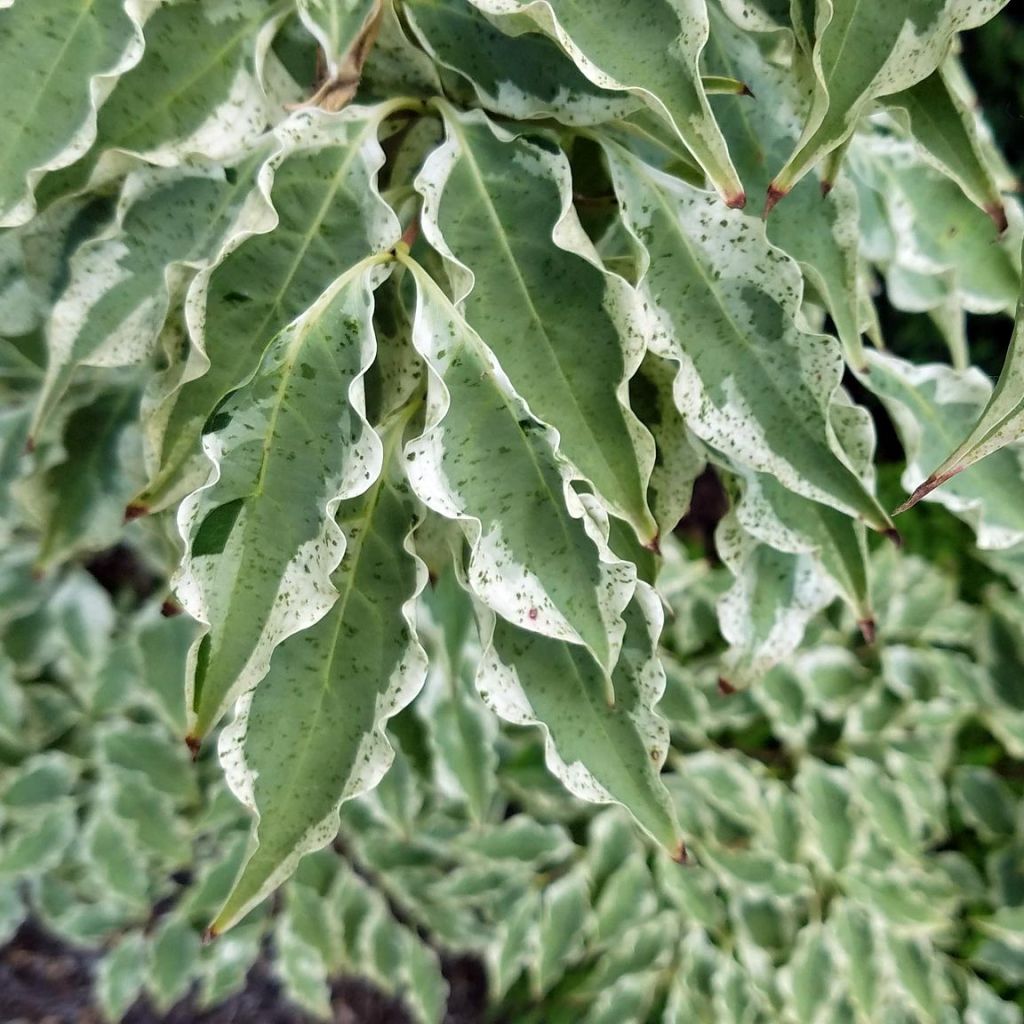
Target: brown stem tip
(894, 536)
(681, 855)
(772, 199)
(193, 743)
(747, 91)
(135, 511)
(209, 935)
(935, 480)
(725, 688)
(170, 608)
(998, 214)
(736, 201)
(654, 544)
(867, 630)
(826, 188)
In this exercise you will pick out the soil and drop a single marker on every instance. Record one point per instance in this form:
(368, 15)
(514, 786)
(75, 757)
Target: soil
(43, 980)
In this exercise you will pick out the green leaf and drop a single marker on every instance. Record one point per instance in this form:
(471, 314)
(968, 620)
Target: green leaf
(564, 914)
(866, 50)
(320, 216)
(295, 444)
(168, 223)
(79, 501)
(200, 90)
(57, 62)
(521, 76)
(120, 977)
(480, 453)
(604, 745)
(660, 64)
(822, 236)
(932, 407)
(310, 735)
(764, 613)
(564, 330)
(947, 132)
(174, 955)
(724, 305)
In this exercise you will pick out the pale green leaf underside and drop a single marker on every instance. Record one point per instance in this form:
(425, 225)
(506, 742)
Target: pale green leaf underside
(484, 461)
(263, 542)
(563, 330)
(310, 735)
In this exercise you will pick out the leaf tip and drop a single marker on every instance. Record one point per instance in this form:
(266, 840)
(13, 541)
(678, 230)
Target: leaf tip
(30, 444)
(135, 510)
(775, 194)
(654, 544)
(725, 688)
(747, 91)
(210, 934)
(826, 188)
(736, 200)
(893, 535)
(170, 608)
(681, 855)
(194, 743)
(934, 481)
(997, 211)
(868, 630)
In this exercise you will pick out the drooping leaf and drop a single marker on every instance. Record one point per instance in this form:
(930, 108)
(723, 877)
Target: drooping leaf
(58, 62)
(523, 76)
(722, 303)
(947, 132)
(263, 538)
(660, 64)
(311, 734)
(561, 327)
(481, 453)
(863, 51)
(1001, 422)
(198, 90)
(604, 745)
(121, 284)
(321, 216)
(933, 406)
(821, 235)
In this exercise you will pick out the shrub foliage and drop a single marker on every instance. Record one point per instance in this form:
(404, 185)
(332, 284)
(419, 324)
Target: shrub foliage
(399, 331)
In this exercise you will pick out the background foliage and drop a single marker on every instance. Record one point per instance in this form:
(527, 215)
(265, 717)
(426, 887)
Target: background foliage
(281, 333)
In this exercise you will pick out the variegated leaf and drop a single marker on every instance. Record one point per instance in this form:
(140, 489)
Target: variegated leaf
(606, 744)
(311, 734)
(564, 330)
(724, 304)
(522, 76)
(482, 455)
(289, 447)
(201, 89)
(822, 236)
(168, 224)
(863, 51)
(58, 62)
(319, 215)
(948, 133)
(933, 406)
(660, 64)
